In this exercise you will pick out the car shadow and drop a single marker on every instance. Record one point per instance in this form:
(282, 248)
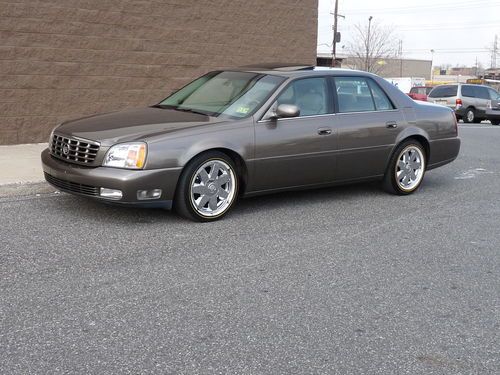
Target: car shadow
(105, 212)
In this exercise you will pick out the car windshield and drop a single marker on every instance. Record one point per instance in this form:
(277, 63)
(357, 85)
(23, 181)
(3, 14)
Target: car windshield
(235, 94)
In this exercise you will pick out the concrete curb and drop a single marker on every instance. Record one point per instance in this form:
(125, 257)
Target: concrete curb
(25, 189)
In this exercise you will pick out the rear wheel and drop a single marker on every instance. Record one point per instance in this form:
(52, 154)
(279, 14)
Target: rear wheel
(406, 168)
(207, 188)
(470, 115)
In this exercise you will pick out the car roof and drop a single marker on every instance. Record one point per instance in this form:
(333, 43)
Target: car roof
(296, 70)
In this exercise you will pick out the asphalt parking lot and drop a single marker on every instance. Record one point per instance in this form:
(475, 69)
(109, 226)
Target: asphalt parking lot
(345, 280)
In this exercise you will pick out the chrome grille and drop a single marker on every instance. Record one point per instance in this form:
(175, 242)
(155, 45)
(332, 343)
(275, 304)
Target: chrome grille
(73, 150)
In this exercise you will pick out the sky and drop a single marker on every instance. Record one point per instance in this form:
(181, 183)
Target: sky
(457, 30)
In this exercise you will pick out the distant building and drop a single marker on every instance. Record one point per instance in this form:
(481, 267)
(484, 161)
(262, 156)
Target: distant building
(388, 67)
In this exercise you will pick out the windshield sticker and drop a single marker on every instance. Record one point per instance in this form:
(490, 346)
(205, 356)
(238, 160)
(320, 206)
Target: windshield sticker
(243, 110)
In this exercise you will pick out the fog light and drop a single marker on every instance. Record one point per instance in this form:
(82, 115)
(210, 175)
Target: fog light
(143, 195)
(111, 193)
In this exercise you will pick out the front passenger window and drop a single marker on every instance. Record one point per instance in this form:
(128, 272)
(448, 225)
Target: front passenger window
(309, 94)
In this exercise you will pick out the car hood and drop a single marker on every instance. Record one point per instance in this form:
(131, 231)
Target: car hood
(132, 125)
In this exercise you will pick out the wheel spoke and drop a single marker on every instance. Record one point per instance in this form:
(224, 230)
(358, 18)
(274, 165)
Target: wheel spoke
(212, 204)
(402, 175)
(204, 175)
(401, 164)
(413, 175)
(214, 172)
(223, 179)
(415, 165)
(203, 201)
(200, 189)
(223, 194)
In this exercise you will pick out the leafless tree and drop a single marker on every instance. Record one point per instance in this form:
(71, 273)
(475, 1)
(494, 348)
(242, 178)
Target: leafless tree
(370, 45)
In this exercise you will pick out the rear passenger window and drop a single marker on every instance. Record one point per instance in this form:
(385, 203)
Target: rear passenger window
(356, 94)
(382, 102)
(482, 92)
(444, 91)
(468, 91)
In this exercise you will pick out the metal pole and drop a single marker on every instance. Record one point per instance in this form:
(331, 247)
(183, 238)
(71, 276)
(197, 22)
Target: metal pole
(334, 45)
(368, 43)
(432, 68)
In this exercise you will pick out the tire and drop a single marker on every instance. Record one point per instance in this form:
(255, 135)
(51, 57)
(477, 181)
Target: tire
(470, 116)
(495, 122)
(207, 188)
(401, 177)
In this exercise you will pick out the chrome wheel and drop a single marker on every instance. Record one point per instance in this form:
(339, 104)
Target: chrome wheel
(410, 168)
(212, 188)
(470, 115)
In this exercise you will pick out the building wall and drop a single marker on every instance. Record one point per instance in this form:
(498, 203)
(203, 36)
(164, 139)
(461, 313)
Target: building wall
(62, 59)
(386, 68)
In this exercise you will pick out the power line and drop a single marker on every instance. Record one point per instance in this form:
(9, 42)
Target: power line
(450, 6)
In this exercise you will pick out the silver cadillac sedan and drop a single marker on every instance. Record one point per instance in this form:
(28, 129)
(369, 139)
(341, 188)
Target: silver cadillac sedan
(249, 131)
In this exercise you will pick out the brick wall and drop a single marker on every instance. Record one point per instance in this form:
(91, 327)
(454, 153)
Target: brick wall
(61, 59)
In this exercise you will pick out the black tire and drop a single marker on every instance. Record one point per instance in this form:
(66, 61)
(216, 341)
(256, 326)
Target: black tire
(470, 115)
(183, 202)
(390, 182)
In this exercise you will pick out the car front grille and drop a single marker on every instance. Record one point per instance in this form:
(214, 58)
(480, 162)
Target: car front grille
(72, 186)
(73, 150)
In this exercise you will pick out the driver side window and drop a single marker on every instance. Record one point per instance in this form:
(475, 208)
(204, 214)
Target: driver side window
(309, 94)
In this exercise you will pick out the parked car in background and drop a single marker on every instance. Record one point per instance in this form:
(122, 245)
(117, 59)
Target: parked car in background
(420, 92)
(252, 131)
(470, 102)
(493, 109)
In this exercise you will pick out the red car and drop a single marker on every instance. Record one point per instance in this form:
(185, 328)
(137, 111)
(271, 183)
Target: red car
(420, 92)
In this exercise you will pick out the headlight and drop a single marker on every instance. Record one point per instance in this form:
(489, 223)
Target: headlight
(126, 155)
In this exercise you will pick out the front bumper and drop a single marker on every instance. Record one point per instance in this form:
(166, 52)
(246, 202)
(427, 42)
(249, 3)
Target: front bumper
(87, 181)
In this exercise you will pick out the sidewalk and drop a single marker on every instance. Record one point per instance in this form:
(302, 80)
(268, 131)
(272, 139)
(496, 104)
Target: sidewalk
(21, 170)
(21, 164)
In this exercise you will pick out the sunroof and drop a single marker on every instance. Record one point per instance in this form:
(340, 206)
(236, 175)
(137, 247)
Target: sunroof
(280, 67)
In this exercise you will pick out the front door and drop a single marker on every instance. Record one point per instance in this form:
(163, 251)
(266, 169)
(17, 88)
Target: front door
(299, 151)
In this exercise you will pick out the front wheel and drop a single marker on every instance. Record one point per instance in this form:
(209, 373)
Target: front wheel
(207, 188)
(406, 168)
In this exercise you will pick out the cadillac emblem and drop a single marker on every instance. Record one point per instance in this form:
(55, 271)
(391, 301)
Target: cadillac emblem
(65, 149)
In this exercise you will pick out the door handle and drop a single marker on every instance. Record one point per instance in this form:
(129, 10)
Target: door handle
(324, 131)
(391, 124)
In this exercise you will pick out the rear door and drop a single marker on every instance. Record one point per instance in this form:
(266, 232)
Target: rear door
(482, 100)
(367, 124)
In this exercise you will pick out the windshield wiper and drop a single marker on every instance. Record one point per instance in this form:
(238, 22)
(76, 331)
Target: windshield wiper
(163, 106)
(190, 110)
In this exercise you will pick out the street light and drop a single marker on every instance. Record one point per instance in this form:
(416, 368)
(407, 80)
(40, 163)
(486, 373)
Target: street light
(368, 43)
(432, 68)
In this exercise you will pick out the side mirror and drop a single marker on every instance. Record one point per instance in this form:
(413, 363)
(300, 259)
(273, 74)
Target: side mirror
(286, 110)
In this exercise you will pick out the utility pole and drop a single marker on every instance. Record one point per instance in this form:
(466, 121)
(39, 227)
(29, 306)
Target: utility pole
(336, 34)
(400, 54)
(432, 67)
(494, 53)
(368, 43)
